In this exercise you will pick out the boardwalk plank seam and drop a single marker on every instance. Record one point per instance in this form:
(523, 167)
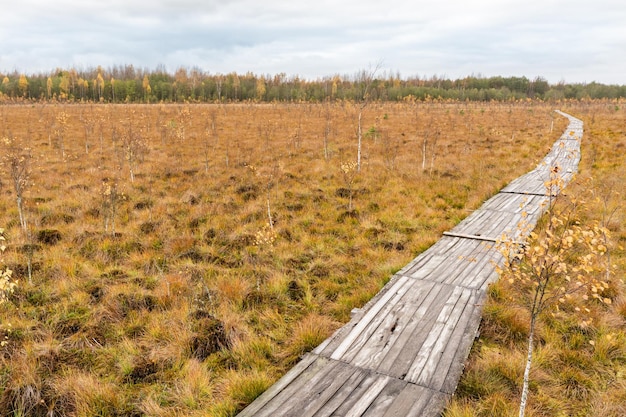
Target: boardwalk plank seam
(403, 353)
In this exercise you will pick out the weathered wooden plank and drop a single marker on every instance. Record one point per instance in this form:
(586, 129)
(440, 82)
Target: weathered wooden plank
(457, 346)
(400, 321)
(368, 397)
(474, 255)
(385, 319)
(470, 236)
(531, 183)
(470, 333)
(372, 382)
(385, 399)
(429, 354)
(424, 333)
(348, 390)
(420, 327)
(467, 257)
(298, 389)
(330, 344)
(416, 401)
(277, 388)
(400, 287)
(315, 398)
(441, 246)
(398, 353)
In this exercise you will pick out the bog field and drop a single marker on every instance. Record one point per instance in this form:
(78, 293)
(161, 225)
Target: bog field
(175, 260)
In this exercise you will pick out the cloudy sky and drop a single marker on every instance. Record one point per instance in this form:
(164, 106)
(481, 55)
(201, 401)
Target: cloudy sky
(573, 41)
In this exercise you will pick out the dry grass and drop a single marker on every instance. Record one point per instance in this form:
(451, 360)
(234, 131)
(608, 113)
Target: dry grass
(578, 368)
(159, 296)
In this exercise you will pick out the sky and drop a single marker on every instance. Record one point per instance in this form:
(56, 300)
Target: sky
(574, 41)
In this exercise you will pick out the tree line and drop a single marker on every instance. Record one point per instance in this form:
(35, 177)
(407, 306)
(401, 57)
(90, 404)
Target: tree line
(127, 84)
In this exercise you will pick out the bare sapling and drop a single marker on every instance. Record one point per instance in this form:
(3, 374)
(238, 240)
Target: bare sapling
(184, 119)
(349, 171)
(296, 138)
(211, 140)
(110, 200)
(264, 239)
(101, 121)
(89, 123)
(562, 264)
(429, 147)
(61, 130)
(135, 148)
(16, 160)
(270, 172)
(366, 78)
(327, 129)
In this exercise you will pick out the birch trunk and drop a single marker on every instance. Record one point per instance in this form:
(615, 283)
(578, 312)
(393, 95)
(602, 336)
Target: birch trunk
(529, 359)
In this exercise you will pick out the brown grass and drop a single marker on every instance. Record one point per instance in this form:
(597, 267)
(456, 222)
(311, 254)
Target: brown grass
(158, 294)
(580, 359)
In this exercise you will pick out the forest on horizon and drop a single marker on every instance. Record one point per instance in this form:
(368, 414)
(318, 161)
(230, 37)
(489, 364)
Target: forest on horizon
(127, 84)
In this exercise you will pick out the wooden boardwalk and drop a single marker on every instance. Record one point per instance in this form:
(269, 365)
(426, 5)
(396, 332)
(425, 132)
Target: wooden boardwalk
(403, 353)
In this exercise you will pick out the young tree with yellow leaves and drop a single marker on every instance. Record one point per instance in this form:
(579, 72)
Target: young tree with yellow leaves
(7, 285)
(16, 160)
(22, 85)
(99, 86)
(48, 88)
(146, 88)
(562, 264)
(260, 88)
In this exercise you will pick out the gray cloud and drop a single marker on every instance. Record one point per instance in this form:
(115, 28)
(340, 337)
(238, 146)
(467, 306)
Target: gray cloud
(581, 41)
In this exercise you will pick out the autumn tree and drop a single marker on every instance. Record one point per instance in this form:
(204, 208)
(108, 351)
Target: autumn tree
(146, 88)
(111, 197)
(16, 160)
(219, 83)
(22, 85)
(64, 86)
(5, 83)
(7, 285)
(99, 86)
(49, 88)
(335, 86)
(89, 123)
(349, 171)
(260, 88)
(60, 129)
(560, 265)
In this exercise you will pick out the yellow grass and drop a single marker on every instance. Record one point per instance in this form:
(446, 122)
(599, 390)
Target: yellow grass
(162, 285)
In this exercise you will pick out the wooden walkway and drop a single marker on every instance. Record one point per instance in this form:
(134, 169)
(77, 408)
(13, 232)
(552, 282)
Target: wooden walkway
(403, 353)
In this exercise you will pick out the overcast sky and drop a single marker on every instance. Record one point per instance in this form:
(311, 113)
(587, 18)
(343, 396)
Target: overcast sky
(573, 41)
